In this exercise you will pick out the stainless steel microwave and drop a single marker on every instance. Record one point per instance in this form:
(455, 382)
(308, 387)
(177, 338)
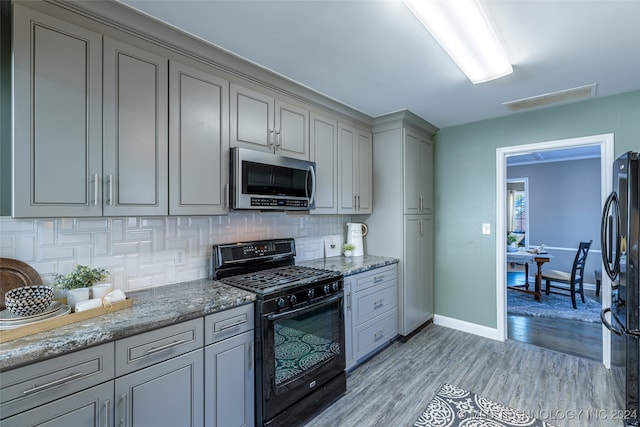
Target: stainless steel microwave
(267, 181)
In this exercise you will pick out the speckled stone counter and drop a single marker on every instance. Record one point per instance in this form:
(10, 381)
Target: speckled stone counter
(350, 265)
(152, 308)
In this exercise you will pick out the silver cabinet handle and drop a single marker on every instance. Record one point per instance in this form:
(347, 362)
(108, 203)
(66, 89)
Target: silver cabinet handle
(107, 409)
(251, 356)
(165, 347)
(110, 189)
(271, 137)
(231, 325)
(378, 279)
(349, 301)
(123, 413)
(278, 139)
(55, 383)
(96, 182)
(378, 335)
(421, 203)
(358, 202)
(378, 304)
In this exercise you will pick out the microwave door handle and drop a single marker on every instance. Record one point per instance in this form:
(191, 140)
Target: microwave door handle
(312, 171)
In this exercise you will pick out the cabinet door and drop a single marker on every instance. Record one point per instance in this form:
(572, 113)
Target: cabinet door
(324, 151)
(427, 175)
(229, 382)
(92, 407)
(251, 119)
(57, 142)
(135, 131)
(291, 130)
(169, 393)
(348, 321)
(347, 175)
(413, 164)
(365, 173)
(198, 142)
(417, 292)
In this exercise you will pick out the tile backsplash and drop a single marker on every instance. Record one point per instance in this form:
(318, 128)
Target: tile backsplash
(144, 252)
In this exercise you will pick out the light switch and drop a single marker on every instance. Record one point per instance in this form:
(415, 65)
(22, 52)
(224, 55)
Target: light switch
(486, 228)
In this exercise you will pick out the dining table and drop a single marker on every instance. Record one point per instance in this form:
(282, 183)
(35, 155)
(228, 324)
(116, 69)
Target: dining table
(529, 257)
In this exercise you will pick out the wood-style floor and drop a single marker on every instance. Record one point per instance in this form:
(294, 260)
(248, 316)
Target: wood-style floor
(395, 386)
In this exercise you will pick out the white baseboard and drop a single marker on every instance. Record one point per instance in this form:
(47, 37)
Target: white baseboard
(472, 328)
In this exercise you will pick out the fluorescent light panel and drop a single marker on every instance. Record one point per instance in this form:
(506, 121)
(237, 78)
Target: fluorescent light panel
(464, 33)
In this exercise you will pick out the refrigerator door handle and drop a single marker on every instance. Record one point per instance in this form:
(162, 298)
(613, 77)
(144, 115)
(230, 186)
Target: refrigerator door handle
(610, 212)
(618, 331)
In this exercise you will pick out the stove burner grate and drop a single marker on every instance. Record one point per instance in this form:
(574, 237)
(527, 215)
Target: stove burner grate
(272, 279)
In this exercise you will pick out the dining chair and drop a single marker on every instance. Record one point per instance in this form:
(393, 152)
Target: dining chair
(569, 283)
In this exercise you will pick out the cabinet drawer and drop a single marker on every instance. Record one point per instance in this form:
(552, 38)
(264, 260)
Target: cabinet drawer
(375, 300)
(143, 350)
(376, 333)
(33, 385)
(376, 277)
(227, 323)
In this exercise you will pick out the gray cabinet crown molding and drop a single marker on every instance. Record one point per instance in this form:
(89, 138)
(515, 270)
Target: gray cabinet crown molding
(124, 19)
(402, 118)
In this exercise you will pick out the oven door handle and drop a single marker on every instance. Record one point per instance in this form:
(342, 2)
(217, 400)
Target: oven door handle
(330, 300)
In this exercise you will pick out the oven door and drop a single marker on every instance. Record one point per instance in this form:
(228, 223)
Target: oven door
(303, 350)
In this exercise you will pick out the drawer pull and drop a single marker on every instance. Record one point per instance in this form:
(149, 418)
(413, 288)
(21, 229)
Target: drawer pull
(232, 325)
(124, 416)
(55, 383)
(378, 279)
(165, 347)
(378, 304)
(378, 335)
(107, 409)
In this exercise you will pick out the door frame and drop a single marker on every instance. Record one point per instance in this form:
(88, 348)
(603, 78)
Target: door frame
(606, 144)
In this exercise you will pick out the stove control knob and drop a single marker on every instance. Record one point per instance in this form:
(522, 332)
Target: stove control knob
(293, 299)
(311, 293)
(281, 303)
(335, 286)
(326, 289)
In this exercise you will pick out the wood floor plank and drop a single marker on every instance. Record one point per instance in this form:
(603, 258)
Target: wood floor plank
(395, 386)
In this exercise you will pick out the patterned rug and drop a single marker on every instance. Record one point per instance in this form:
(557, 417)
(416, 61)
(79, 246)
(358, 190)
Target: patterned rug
(553, 306)
(455, 407)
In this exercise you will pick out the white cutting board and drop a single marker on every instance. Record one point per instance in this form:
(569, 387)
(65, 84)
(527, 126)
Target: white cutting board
(332, 246)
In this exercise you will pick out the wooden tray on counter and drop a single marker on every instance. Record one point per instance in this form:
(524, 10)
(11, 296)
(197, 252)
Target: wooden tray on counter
(57, 322)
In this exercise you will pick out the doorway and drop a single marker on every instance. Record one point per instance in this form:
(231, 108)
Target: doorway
(606, 144)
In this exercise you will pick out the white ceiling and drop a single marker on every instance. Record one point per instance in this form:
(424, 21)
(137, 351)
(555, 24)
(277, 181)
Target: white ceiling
(376, 57)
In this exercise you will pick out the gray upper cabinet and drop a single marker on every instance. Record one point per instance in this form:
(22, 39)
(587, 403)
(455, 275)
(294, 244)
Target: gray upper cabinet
(418, 153)
(355, 148)
(324, 151)
(262, 122)
(57, 141)
(135, 144)
(198, 142)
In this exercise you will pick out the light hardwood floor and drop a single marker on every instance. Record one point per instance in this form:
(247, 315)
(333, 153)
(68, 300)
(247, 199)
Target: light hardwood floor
(395, 386)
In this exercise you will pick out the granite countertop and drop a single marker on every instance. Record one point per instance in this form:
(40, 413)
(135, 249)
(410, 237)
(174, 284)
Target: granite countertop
(350, 265)
(154, 308)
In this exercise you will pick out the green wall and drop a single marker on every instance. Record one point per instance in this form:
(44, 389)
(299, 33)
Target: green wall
(465, 190)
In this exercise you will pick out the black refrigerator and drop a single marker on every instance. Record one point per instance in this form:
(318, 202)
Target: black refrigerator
(620, 245)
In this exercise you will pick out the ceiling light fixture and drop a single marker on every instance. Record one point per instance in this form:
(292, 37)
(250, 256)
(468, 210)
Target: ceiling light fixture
(463, 31)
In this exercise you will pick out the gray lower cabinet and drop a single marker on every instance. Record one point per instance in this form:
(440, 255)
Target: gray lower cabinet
(89, 408)
(160, 377)
(229, 368)
(371, 312)
(169, 393)
(71, 390)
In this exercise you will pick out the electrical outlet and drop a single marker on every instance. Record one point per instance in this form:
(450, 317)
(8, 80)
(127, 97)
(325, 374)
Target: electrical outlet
(178, 258)
(486, 228)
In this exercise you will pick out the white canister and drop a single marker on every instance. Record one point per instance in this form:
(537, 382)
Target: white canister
(101, 289)
(74, 296)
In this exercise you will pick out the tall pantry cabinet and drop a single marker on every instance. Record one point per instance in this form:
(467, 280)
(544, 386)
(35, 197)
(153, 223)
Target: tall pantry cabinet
(402, 222)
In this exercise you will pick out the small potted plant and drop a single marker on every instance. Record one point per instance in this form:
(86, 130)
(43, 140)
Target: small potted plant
(78, 282)
(347, 249)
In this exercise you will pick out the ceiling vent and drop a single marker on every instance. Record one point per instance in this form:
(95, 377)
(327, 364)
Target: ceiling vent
(554, 98)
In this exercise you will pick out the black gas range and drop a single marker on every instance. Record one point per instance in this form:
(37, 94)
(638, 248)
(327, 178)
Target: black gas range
(300, 357)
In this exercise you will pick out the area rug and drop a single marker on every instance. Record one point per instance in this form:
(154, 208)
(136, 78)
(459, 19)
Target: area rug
(553, 306)
(456, 407)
